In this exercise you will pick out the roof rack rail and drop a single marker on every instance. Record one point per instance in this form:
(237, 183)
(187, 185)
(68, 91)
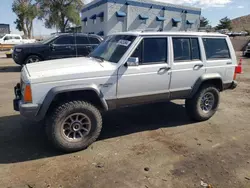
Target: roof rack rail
(148, 30)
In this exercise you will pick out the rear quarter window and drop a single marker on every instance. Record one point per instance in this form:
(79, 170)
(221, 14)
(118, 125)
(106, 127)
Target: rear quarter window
(216, 48)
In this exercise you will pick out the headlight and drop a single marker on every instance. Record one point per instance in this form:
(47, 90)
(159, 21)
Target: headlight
(19, 49)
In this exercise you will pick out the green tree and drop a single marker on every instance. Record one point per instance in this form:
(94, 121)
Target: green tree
(225, 23)
(204, 22)
(26, 12)
(60, 13)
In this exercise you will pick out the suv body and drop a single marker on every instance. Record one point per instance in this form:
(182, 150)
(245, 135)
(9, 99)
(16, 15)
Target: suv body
(128, 68)
(56, 47)
(247, 51)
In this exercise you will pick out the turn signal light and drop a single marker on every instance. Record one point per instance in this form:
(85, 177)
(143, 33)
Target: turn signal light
(27, 94)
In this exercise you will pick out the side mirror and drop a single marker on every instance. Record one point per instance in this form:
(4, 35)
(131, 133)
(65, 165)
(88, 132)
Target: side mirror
(132, 61)
(6, 38)
(52, 47)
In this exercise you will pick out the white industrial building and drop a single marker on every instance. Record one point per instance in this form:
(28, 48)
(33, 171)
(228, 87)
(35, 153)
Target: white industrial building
(105, 17)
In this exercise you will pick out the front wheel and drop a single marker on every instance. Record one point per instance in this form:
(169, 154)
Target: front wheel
(204, 104)
(32, 59)
(74, 126)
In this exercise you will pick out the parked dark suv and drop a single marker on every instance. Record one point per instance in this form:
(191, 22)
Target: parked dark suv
(56, 47)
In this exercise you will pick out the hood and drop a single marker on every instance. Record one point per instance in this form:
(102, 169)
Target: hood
(68, 69)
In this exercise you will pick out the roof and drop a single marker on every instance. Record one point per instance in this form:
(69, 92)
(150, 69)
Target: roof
(179, 33)
(77, 34)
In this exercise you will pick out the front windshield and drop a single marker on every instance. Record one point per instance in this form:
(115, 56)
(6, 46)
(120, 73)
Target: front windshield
(113, 48)
(1, 36)
(49, 39)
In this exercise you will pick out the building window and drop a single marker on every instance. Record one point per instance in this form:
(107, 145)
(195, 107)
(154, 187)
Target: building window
(175, 24)
(101, 16)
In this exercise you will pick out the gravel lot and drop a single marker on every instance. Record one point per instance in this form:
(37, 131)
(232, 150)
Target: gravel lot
(141, 147)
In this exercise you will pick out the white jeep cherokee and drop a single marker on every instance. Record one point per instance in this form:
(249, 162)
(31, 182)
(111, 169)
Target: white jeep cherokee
(126, 69)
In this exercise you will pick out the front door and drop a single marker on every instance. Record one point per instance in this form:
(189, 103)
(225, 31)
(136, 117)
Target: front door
(187, 65)
(149, 81)
(63, 47)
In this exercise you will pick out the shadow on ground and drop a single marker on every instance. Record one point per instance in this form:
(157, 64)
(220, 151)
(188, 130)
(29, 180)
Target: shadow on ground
(22, 140)
(10, 69)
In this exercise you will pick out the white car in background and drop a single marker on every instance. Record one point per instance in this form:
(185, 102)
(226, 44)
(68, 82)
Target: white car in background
(14, 39)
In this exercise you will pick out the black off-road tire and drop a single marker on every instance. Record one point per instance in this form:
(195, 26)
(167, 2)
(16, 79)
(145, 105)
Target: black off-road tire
(27, 60)
(193, 108)
(54, 125)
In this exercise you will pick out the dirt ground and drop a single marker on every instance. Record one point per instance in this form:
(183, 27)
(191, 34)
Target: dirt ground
(141, 147)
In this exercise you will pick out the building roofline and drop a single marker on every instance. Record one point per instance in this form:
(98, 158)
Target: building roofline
(156, 5)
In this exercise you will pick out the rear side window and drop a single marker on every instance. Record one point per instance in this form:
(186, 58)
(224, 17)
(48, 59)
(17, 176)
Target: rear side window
(216, 48)
(18, 38)
(195, 49)
(182, 50)
(186, 49)
(93, 40)
(82, 40)
(65, 40)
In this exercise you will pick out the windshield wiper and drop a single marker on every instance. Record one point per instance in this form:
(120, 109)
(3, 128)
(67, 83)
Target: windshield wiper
(99, 58)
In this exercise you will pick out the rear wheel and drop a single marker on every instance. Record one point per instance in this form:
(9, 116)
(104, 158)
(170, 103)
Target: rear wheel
(33, 59)
(204, 104)
(74, 126)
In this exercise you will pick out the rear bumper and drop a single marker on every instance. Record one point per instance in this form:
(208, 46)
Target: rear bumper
(231, 85)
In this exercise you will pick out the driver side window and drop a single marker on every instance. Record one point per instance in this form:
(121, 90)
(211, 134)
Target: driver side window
(7, 38)
(151, 51)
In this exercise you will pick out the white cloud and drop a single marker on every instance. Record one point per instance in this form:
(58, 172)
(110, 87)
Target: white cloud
(240, 6)
(200, 3)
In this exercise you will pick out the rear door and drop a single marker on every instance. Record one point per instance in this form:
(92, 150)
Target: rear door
(83, 47)
(187, 65)
(16, 39)
(94, 42)
(218, 57)
(63, 47)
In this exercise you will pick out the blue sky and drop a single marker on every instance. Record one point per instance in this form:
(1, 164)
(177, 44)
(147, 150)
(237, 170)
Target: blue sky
(211, 9)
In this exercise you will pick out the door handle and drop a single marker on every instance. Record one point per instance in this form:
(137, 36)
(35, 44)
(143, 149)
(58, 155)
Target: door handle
(198, 66)
(162, 70)
(229, 63)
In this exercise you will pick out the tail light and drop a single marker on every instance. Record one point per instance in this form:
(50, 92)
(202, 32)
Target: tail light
(238, 69)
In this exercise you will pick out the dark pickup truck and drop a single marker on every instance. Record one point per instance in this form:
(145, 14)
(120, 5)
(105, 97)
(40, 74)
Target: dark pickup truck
(58, 46)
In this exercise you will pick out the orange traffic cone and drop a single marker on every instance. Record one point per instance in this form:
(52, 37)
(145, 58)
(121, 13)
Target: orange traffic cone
(238, 68)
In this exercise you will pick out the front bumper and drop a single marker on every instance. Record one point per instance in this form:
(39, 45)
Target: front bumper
(29, 111)
(17, 57)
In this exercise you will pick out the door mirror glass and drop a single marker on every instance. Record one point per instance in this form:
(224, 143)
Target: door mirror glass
(133, 61)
